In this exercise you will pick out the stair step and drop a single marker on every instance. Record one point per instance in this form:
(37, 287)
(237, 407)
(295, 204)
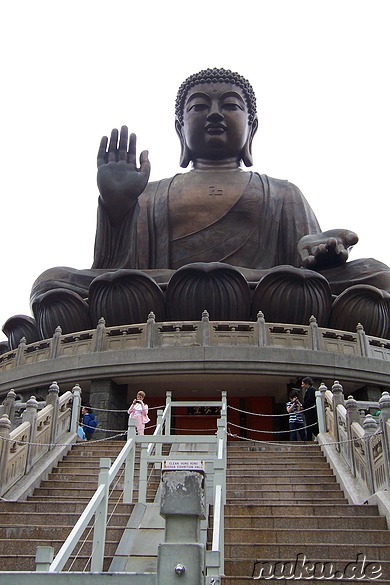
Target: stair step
(291, 490)
(317, 550)
(50, 518)
(275, 467)
(307, 522)
(29, 546)
(284, 480)
(91, 484)
(277, 458)
(68, 493)
(304, 498)
(311, 509)
(252, 569)
(27, 563)
(289, 534)
(270, 472)
(59, 532)
(40, 506)
(353, 570)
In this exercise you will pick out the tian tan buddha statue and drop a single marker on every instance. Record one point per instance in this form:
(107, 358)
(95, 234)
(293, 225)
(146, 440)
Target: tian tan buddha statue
(217, 237)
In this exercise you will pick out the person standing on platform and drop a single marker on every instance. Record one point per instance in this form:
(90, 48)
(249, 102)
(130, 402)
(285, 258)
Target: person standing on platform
(139, 412)
(295, 420)
(88, 422)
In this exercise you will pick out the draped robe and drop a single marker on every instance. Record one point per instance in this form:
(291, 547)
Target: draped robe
(259, 230)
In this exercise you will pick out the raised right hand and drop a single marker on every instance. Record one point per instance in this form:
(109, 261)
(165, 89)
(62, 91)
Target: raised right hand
(120, 181)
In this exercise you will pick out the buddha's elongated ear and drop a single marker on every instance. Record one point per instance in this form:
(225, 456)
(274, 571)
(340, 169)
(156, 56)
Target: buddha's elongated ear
(185, 156)
(247, 150)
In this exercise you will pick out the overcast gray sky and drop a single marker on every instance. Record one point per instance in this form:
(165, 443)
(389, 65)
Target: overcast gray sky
(73, 70)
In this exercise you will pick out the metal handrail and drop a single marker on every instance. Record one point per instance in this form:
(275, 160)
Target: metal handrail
(98, 505)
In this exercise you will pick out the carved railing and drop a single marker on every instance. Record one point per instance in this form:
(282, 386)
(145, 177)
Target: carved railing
(198, 333)
(363, 441)
(38, 433)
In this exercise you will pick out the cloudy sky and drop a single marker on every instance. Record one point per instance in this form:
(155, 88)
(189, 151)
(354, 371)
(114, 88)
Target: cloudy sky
(73, 70)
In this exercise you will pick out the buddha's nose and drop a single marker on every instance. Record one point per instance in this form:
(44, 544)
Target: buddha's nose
(215, 113)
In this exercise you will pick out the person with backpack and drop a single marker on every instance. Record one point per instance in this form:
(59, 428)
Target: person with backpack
(88, 422)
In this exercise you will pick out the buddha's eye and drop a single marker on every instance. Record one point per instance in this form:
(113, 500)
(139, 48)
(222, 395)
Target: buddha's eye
(200, 107)
(232, 107)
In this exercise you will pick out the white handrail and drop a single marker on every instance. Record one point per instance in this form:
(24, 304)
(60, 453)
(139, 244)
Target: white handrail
(73, 538)
(217, 518)
(98, 503)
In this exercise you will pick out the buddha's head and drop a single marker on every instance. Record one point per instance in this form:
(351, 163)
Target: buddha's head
(216, 117)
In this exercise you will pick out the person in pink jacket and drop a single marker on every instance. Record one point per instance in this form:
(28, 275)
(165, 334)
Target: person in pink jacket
(139, 412)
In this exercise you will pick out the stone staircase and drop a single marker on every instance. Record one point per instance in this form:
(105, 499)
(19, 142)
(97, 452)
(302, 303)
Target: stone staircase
(284, 512)
(284, 506)
(48, 516)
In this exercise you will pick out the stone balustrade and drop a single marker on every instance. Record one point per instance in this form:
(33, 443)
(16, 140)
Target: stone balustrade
(198, 333)
(362, 442)
(39, 432)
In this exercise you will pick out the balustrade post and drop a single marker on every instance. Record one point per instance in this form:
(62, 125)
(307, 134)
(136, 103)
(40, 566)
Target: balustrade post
(99, 335)
(338, 398)
(320, 406)
(159, 424)
(74, 423)
(129, 465)
(363, 341)
(19, 358)
(205, 329)
(30, 416)
(143, 474)
(5, 429)
(99, 533)
(370, 427)
(261, 330)
(55, 343)
(168, 403)
(223, 422)
(53, 399)
(315, 334)
(44, 558)
(150, 330)
(9, 405)
(352, 416)
(384, 405)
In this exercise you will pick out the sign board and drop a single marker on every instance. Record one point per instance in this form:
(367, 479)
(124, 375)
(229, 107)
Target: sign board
(183, 464)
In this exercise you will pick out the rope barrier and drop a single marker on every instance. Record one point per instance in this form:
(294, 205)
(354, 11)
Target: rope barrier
(121, 434)
(93, 408)
(269, 415)
(295, 443)
(271, 431)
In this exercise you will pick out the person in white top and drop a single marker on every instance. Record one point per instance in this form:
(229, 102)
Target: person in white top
(139, 412)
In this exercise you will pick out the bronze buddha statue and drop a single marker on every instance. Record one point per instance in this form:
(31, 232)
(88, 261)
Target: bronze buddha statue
(217, 237)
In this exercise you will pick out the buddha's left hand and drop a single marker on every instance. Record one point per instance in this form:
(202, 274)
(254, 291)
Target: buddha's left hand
(327, 249)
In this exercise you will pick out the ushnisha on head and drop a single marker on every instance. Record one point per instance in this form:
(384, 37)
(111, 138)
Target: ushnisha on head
(216, 118)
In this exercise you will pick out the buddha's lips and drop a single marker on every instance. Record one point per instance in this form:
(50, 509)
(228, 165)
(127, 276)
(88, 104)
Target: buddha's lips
(211, 129)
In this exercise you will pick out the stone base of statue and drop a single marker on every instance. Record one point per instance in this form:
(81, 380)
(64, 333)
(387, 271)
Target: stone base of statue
(284, 294)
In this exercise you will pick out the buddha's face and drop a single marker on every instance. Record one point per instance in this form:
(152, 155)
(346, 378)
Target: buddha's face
(215, 121)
